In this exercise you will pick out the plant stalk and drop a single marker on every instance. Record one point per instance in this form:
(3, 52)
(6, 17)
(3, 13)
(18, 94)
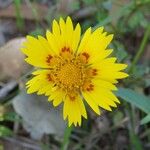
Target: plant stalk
(67, 134)
(140, 50)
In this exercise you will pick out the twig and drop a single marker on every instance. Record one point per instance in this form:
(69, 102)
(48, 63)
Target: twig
(21, 143)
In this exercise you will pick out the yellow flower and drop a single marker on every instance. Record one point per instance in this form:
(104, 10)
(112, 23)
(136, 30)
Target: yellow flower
(73, 70)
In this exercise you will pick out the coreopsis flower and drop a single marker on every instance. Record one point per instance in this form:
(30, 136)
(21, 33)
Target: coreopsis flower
(73, 70)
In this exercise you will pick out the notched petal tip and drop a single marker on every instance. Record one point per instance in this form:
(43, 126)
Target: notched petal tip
(50, 99)
(61, 21)
(118, 101)
(115, 88)
(89, 30)
(125, 66)
(55, 27)
(69, 24)
(111, 36)
(27, 60)
(30, 37)
(68, 19)
(98, 112)
(40, 37)
(99, 30)
(113, 59)
(69, 124)
(29, 91)
(24, 44)
(114, 105)
(78, 27)
(23, 50)
(85, 116)
(126, 75)
(110, 51)
(54, 22)
(123, 75)
(110, 109)
(48, 32)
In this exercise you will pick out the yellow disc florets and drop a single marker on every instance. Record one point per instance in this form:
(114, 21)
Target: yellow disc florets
(71, 72)
(70, 75)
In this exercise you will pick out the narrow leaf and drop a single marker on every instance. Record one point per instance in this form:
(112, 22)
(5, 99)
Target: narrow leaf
(135, 141)
(139, 100)
(145, 119)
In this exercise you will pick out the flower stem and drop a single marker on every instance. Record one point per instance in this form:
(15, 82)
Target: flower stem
(66, 138)
(141, 49)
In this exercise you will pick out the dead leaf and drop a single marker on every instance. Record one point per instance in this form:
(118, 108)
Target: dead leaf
(38, 115)
(19, 143)
(26, 12)
(12, 64)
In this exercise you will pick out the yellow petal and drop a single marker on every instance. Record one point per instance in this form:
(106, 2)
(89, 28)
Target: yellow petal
(54, 42)
(55, 28)
(57, 96)
(74, 110)
(37, 51)
(104, 84)
(84, 40)
(82, 108)
(92, 102)
(76, 37)
(108, 70)
(39, 83)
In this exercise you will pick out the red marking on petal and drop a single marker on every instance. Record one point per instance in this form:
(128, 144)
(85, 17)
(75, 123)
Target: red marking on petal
(65, 49)
(86, 55)
(49, 77)
(72, 98)
(94, 72)
(90, 87)
(48, 58)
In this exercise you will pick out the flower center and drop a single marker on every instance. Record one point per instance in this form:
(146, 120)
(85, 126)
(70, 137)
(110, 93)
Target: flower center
(70, 75)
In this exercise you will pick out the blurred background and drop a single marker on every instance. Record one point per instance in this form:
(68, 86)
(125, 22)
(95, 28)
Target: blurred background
(29, 122)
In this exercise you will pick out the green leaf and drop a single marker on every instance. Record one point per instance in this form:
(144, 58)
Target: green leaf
(10, 116)
(135, 141)
(20, 21)
(4, 131)
(145, 119)
(37, 31)
(139, 100)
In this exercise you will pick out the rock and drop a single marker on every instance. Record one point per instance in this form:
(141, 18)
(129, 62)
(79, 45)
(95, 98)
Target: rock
(12, 64)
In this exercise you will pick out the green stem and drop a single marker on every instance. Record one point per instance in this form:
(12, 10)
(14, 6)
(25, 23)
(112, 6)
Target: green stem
(19, 18)
(141, 49)
(66, 138)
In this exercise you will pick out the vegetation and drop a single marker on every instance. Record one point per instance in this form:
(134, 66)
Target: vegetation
(126, 127)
